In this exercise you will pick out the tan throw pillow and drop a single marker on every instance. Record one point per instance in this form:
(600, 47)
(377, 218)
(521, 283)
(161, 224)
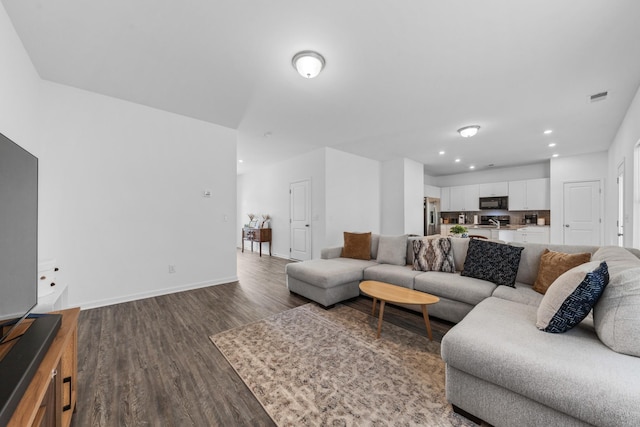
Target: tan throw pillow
(553, 264)
(357, 246)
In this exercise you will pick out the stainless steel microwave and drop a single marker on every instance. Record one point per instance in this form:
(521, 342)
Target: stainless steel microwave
(501, 203)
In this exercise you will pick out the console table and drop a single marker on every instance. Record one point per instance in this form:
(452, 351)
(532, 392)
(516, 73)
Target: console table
(258, 235)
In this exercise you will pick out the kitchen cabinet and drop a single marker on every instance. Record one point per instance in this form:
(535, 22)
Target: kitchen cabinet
(493, 189)
(463, 198)
(532, 235)
(507, 235)
(529, 195)
(445, 199)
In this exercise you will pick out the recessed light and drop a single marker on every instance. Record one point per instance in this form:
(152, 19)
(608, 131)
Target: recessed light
(240, 161)
(441, 153)
(457, 160)
(555, 155)
(548, 131)
(472, 167)
(553, 144)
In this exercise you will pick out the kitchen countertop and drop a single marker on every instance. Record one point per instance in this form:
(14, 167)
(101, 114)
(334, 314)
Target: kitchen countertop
(502, 227)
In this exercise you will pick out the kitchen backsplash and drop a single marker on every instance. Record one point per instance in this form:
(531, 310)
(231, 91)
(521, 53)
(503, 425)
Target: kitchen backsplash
(516, 217)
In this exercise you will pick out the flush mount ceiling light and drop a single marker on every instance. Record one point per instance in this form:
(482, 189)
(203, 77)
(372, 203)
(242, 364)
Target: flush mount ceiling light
(308, 63)
(468, 131)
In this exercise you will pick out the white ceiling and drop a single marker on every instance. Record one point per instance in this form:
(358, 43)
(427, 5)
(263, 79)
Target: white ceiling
(401, 76)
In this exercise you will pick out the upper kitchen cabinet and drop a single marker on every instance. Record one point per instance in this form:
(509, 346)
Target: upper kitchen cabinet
(529, 195)
(445, 199)
(463, 198)
(494, 189)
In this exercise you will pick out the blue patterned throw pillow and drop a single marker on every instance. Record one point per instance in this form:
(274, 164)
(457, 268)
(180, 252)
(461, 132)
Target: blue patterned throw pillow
(571, 296)
(491, 261)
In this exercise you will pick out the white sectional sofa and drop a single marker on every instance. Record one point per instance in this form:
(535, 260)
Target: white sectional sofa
(499, 367)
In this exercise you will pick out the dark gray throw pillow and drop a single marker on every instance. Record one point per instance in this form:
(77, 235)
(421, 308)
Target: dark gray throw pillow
(491, 261)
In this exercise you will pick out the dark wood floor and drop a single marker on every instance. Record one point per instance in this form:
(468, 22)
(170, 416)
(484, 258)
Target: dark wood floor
(150, 362)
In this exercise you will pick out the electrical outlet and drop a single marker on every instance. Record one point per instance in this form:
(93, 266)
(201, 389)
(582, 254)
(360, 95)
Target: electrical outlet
(172, 268)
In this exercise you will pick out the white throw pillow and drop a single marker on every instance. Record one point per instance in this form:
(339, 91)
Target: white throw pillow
(571, 296)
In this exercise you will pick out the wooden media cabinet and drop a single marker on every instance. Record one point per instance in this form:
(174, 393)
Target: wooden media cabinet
(50, 399)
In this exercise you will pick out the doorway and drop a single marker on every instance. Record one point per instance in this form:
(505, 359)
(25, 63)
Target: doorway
(582, 221)
(300, 220)
(620, 220)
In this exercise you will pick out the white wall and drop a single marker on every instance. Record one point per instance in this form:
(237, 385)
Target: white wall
(266, 190)
(19, 86)
(413, 197)
(352, 195)
(402, 197)
(392, 197)
(432, 191)
(587, 167)
(622, 149)
(532, 171)
(120, 186)
(123, 185)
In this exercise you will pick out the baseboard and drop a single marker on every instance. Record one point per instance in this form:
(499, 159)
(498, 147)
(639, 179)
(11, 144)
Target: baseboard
(155, 293)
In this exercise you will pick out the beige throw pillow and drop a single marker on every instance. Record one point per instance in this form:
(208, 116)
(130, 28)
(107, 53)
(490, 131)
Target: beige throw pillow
(553, 264)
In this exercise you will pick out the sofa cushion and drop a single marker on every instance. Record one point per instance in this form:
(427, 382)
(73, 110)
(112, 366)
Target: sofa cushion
(460, 247)
(392, 250)
(375, 241)
(570, 298)
(616, 315)
(530, 258)
(454, 286)
(433, 255)
(326, 273)
(618, 259)
(357, 246)
(553, 264)
(495, 262)
(521, 293)
(394, 274)
(574, 372)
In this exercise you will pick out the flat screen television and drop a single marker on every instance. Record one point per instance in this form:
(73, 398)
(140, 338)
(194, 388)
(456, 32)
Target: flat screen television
(19, 276)
(18, 232)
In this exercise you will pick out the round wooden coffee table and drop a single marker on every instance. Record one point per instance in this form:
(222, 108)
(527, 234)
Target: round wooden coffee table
(386, 292)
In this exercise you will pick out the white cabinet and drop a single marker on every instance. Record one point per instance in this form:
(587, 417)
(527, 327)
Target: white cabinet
(445, 199)
(532, 235)
(506, 235)
(529, 195)
(463, 198)
(538, 197)
(494, 189)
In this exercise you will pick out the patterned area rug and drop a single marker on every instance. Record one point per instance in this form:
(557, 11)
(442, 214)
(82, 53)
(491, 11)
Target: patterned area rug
(309, 366)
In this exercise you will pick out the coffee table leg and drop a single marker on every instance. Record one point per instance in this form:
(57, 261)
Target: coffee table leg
(380, 318)
(426, 321)
(373, 308)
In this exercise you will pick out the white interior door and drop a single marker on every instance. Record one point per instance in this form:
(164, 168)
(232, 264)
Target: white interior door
(300, 202)
(582, 220)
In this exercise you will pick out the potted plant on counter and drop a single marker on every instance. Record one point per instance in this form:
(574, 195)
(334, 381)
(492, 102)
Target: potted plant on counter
(458, 230)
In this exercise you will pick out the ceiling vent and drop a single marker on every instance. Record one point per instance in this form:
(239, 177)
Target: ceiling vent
(600, 96)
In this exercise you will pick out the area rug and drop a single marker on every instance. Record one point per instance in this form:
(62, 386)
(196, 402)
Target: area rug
(308, 366)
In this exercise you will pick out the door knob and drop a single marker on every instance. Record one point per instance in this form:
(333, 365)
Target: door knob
(566, 225)
(306, 225)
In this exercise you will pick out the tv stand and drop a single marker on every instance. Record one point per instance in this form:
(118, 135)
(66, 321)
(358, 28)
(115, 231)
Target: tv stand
(50, 397)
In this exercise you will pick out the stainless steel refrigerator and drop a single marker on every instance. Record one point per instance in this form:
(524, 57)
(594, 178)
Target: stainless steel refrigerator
(431, 216)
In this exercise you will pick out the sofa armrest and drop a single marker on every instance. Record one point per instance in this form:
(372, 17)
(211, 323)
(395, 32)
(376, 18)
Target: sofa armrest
(328, 253)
